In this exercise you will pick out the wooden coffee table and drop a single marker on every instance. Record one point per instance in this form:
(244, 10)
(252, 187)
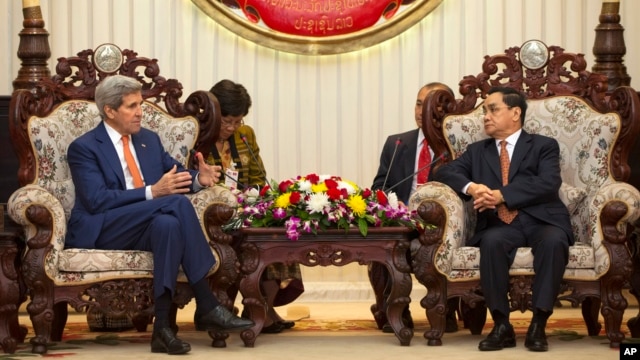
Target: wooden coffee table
(260, 247)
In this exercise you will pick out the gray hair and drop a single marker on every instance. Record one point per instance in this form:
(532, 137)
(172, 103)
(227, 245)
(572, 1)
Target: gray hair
(112, 90)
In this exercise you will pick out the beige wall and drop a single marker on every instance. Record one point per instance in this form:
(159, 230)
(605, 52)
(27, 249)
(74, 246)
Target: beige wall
(326, 114)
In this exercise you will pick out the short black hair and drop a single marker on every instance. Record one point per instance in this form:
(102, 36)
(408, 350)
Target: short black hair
(513, 98)
(233, 98)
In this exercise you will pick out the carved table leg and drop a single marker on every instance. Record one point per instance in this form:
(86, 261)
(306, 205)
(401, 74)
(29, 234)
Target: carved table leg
(398, 299)
(10, 331)
(399, 296)
(255, 304)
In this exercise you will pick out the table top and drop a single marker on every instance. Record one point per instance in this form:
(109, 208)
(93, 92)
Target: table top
(353, 234)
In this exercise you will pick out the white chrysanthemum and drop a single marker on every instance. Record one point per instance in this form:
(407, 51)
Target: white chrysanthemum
(317, 203)
(252, 195)
(304, 185)
(324, 177)
(393, 200)
(345, 185)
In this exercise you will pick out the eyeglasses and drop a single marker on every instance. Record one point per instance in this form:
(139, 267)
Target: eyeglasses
(232, 123)
(494, 109)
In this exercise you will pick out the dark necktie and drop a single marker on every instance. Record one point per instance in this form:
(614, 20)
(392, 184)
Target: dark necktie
(505, 214)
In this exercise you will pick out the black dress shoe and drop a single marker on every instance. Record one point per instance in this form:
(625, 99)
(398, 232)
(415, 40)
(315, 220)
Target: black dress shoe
(501, 336)
(274, 328)
(536, 339)
(287, 324)
(221, 318)
(164, 340)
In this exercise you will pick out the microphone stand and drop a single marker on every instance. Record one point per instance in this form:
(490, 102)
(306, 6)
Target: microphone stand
(441, 157)
(253, 156)
(384, 184)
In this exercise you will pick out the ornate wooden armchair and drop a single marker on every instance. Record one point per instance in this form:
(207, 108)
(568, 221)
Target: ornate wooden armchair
(43, 122)
(595, 131)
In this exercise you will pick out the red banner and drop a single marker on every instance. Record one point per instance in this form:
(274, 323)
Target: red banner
(319, 18)
(317, 26)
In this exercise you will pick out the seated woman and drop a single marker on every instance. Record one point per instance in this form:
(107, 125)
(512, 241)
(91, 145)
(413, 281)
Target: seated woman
(237, 151)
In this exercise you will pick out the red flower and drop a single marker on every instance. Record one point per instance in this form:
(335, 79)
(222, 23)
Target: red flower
(334, 194)
(313, 178)
(382, 198)
(264, 190)
(284, 185)
(366, 193)
(295, 197)
(331, 184)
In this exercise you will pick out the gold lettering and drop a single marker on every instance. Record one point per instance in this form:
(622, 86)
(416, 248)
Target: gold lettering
(317, 6)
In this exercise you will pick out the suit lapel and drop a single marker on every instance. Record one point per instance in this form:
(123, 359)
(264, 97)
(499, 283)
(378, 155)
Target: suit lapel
(108, 150)
(141, 152)
(519, 153)
(409, 160)
(492, 158)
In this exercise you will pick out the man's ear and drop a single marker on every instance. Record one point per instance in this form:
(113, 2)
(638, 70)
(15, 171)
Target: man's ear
(109, 111)
(517, 113)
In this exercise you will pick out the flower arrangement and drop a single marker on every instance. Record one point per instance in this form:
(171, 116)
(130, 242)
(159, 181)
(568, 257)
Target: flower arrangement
(319, 202)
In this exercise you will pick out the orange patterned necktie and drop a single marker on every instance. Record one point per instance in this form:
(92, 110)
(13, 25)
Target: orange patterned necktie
(423, 160)
(505, 214)
(131, 163)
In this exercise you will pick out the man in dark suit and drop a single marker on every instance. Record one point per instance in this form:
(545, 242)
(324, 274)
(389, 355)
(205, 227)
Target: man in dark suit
(516, 208)
(129, 196)
(399, 160)
(399, 157)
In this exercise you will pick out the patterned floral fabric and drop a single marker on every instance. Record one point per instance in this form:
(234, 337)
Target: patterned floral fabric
(53, 189)
(585, 136)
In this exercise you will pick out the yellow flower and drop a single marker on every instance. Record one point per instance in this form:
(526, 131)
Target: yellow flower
(357, 204)
(283, 200)
(319, 188)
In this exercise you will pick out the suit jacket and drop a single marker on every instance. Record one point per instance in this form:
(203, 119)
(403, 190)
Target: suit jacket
(403, 164)
(251, 171)
(99, 181)
(534, 178)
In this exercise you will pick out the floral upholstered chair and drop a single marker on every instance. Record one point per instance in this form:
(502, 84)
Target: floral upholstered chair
(43, 123)
(595, 131)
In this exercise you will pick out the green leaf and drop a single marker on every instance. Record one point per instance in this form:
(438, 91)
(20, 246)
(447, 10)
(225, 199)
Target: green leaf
(363, 226)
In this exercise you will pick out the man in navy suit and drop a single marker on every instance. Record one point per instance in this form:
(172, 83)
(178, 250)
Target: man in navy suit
(124, 206)
(534, 216)
(398, 162)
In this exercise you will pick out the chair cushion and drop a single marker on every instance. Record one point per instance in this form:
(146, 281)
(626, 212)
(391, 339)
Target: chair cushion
(88, 265)
(104, 260)
(581, 256)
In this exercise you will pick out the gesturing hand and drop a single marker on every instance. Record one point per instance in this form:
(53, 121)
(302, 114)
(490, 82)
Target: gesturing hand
(209, 174)
(172, 182)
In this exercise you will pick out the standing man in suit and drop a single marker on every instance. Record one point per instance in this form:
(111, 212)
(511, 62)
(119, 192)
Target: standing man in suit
(399, 160)
(129, 196)
(514, 178)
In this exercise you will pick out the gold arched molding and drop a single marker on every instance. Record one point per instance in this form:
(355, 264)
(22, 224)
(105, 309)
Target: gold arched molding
(236, 21)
